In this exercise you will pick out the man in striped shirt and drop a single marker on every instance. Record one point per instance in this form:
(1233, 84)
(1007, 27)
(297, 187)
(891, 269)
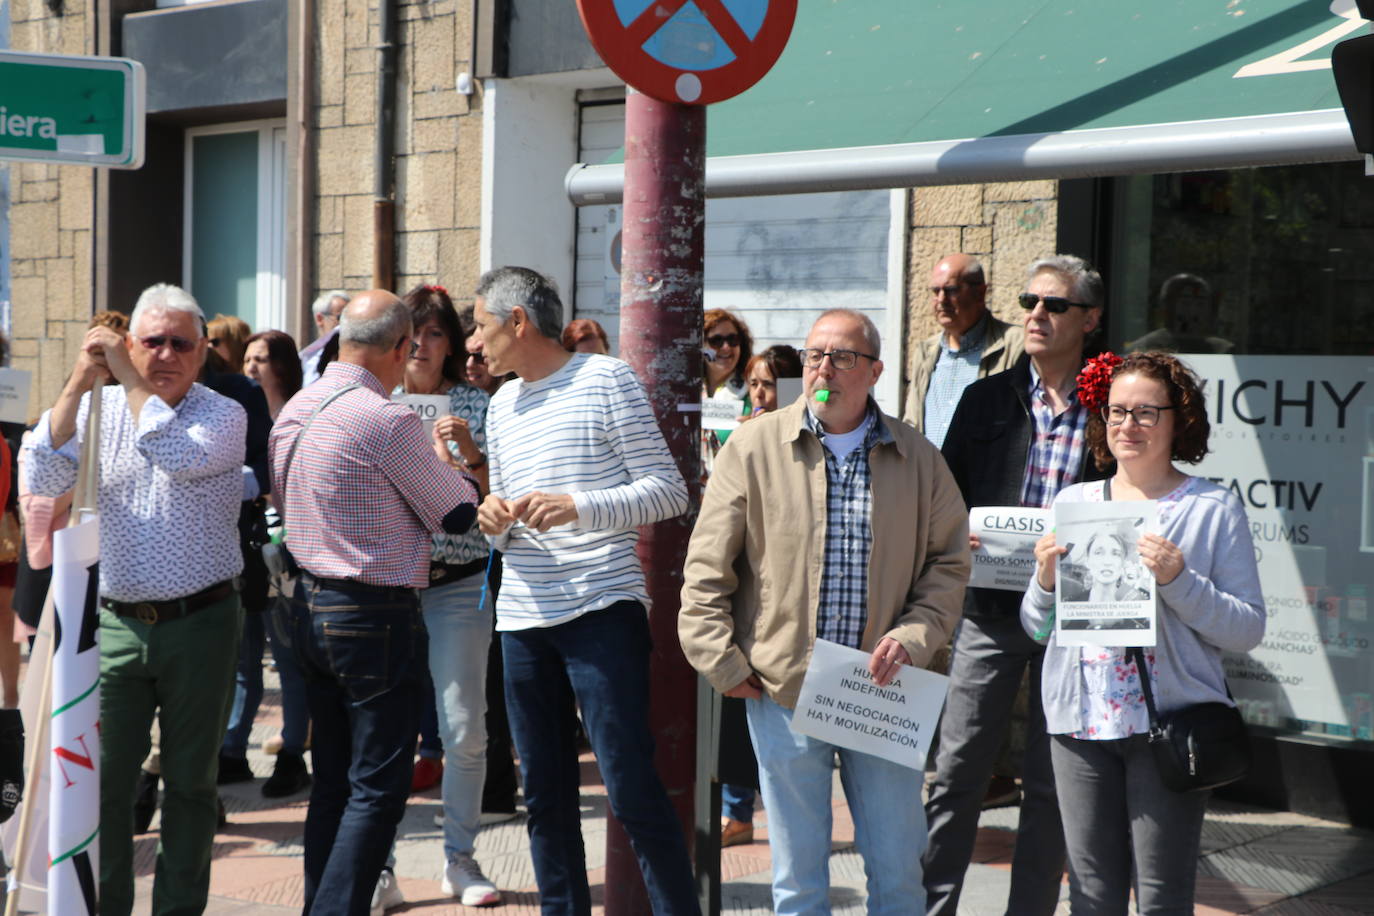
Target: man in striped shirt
(1016, 439)
(577, 465)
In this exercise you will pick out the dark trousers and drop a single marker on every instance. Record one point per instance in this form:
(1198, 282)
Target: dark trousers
(356, 646)
(991, 654)
(601, 659)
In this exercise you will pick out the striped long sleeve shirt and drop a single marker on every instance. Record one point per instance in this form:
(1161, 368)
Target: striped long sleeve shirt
(587, 430)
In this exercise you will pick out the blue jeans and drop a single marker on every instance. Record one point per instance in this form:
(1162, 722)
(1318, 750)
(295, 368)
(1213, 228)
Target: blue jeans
(247, 687)
(603, 659)
(295, 714)
(355, 644)
(737, 802)
(795, 774)
(459, 626)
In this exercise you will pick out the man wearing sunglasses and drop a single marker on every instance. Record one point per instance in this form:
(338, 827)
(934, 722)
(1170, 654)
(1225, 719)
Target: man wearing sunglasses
(971, 344)
(171, 458)
(826, 519)
(1016, 439)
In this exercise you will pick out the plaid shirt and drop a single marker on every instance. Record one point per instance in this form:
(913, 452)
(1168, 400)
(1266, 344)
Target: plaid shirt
(365, 489)
(843, 607)
(1057, 450)
(954, 371)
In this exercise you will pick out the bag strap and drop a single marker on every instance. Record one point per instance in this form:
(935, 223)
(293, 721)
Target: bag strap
(291, 455)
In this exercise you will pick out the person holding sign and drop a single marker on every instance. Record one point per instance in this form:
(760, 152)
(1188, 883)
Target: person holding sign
(826, 519)
(727, 350)
(1015, 440)
(1120, 819)
(456, 614)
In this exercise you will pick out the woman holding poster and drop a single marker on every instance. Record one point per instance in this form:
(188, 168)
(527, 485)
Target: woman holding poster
(1120, 819)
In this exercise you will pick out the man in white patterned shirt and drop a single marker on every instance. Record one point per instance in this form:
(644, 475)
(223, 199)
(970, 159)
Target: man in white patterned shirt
(171, 479)
(577, 465)
(826, 519)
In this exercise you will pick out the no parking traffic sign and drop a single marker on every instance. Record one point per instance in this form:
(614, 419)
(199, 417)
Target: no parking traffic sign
(689, 51)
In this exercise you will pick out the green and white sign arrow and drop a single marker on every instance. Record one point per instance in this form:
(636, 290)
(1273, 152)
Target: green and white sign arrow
(71, 109)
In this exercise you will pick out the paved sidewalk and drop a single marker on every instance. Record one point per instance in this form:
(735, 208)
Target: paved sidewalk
(1254, 860)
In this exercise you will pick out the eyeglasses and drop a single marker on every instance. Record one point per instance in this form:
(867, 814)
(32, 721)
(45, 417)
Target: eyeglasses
(158, 341)
(841, 359)
(478, 358)
(723, 340)
(1056, 304)
(1146, 415)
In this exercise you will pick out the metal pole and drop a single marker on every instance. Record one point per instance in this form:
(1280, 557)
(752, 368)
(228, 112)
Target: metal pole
(660, 336)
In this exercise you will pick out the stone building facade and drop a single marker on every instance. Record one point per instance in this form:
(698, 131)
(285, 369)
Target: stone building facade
(66, 260)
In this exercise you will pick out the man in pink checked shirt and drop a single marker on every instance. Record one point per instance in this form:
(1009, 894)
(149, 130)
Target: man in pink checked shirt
(362, 491)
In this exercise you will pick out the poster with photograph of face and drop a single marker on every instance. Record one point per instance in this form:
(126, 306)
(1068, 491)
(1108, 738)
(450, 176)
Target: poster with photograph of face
(1104, 595)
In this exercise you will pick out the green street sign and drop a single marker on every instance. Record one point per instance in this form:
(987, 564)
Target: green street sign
(71, 109)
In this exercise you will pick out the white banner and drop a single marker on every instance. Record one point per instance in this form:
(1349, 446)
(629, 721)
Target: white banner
(721, 413)
(74, 764)
(1103, 594)
(1293, 438)
(1006, 557)
(841, 704)
(14, 395)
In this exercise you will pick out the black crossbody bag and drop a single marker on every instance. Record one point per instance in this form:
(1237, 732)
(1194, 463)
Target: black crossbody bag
(1198, 747)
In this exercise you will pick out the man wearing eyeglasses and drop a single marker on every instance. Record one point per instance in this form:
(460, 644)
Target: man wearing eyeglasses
(362, 490)
(971, 344)
(326, 310)
(1016, 439)
(826, 519)
(171, 459)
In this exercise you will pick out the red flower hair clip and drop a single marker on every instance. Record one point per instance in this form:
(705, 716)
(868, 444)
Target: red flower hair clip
(435, 287)
(1095, 381)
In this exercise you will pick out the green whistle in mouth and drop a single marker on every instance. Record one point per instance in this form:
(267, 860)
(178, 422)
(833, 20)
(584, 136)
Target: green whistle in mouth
(822, 395)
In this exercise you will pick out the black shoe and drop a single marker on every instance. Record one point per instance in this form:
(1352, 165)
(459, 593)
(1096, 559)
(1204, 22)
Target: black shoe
(223, 814)
(289, 777)
(145, 800)
(234, 769)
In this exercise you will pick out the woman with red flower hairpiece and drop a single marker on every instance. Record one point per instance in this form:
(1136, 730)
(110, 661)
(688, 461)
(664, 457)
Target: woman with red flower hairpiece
(1120, 820)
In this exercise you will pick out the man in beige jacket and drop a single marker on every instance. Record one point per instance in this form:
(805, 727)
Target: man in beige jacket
(826, 519)
(971, 344)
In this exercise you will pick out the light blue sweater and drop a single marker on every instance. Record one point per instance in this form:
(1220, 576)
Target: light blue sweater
(1214, 605)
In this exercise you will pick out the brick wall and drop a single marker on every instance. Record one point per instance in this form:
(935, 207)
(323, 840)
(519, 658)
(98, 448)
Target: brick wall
(50, 225)
(1005, 225)
(439, 142)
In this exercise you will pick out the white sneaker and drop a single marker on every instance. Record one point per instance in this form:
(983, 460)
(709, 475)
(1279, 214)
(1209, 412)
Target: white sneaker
(387, 894)
(487, 818)
(464, 880)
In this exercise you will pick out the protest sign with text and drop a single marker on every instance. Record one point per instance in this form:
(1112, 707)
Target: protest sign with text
(841, 704)
(1104, 595)
(1006, 557)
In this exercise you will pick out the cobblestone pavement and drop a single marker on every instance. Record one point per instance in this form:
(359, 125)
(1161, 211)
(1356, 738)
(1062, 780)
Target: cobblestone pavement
(1254, 860)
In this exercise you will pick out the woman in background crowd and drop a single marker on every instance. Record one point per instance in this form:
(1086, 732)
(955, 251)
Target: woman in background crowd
(583, 335)
(762, 374)
(270, 359)
(1125, 830)
(728, 347)
(228, 335)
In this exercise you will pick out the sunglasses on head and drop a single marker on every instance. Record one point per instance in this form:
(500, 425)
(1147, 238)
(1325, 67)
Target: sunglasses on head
(717, 341)
(158, 341)
(1056, 304)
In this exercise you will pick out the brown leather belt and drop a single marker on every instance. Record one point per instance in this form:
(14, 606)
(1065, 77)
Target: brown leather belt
(151, 612)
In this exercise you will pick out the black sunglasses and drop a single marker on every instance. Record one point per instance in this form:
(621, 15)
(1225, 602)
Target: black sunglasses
(1056, 304)
(158, 341)
(721, 340)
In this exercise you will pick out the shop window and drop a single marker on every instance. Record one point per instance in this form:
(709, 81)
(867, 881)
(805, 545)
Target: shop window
(1263, 279)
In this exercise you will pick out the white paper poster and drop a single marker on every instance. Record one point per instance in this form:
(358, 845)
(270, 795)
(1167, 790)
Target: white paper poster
(842, 705)
(721, 413)
(1006, 557)
(14, 395)
(1104, 595)
(1293, 438)
(430, 407)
